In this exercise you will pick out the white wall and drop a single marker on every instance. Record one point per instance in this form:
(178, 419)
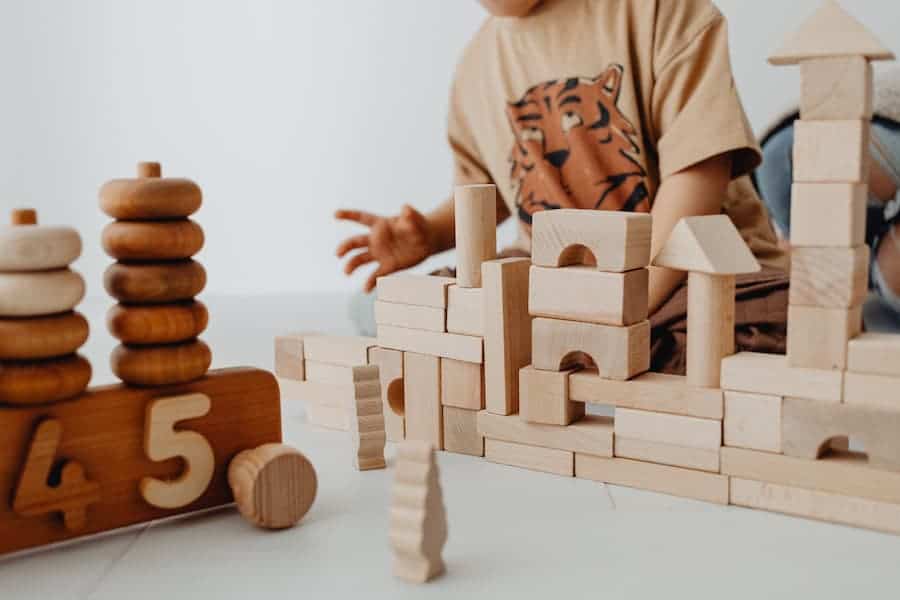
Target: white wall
(282, 110)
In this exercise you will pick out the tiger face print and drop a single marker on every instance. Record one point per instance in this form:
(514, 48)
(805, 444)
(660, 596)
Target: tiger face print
(575, 149)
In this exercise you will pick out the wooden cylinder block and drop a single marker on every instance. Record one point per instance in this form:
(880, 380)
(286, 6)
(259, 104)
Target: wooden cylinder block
(43, 382)
(163, 324)
(154, 283)
(152, 240)
(710, 336)
(476, 231)
(33, 248)
(39, 294)
(42, 337)
(150, 199)
(274, 485)
(161, 365)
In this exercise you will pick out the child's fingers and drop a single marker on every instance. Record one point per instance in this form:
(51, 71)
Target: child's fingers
(359, 241)
(358, 216)
(363, 258)
(372, 281)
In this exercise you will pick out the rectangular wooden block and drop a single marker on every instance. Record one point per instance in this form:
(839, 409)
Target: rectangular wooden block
(349, 351)
(592, 435)
(829, 277)
(831, 151)
(618, 352)
(547, 460)
(686, 483)
(461, 432)
(836, 89)
(674, 430)
(818, 337)
(611, 241)
(655, 392)
(409, 288)
(588, 295)
(770, 374)
(422, 399)
(507, 331)
(410, 316)
(289, 357)
(323, 393)
(821, 506)
(447, 345)
(390, 371)
(875, 354)
(462, 384)
(327, 416)
(753, 421)
(878, 391)
(339, 374)
(465, 310)
(699, 459)
(544, 398)
(828, 214)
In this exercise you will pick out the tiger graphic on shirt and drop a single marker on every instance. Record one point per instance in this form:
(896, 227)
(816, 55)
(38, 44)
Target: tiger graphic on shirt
(574, 148)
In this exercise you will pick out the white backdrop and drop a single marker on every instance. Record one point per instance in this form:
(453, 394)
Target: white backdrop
(282, 110)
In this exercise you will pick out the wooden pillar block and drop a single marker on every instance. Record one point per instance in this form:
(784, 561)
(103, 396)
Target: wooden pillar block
(462, 384)
(507, 331)
(711, 300)
(544, 398)
(390, 370)
(476, 231)
(588, 295)
(829, 277)
(831, 151)
(422, 399)
(818, 337)
(289, 357)
(461, 434)
(828, 214)
(836, 89)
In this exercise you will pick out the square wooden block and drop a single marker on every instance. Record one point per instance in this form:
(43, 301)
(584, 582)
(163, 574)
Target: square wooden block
(753, 421)
(829, 277)
(875, 354)
(465, 310)
(617, 352)
(831, 151)
(818, 337)
(544, 398)
(879, 391)
(588, 295)
(828, 214)
(462, 384)
(461, 434)
(836, 89)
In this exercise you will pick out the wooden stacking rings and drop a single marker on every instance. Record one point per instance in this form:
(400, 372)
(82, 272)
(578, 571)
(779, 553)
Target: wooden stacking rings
(163, 324)
(39, 294)
(154, 283)
(161, 365)
(43, 382)
(29, 248)
(42, 337)
(153, 240)
(150, 199)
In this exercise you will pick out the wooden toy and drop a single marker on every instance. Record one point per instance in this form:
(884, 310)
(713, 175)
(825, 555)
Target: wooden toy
(879, 391)
(25, 247)
(611, 241)
(158, 324)
(362, 376)
(390, 369)
(161, 365)
(367, 420)
(461, 431)
(274, 485)
(150, 197)
(651, 391)
(675, 430)
(617, 352)
(409, 316)
(289, 356)
(829, 277)
(23, 216)
(591, 435)
(349, 351)
(418, 523)
(817, 337)
(39, 293)
(465, 311)
(160, 240)
(752, 421)
(544, 398)
(588, 295)
(476, 231)
(836, 89)
(42, 337)
(43, 381)
(831, 151)
(462, 384)
(421, 290)
(422, 381)
(770, 374)
(828, 215)
(155, 283)
(875, 353)
(700, 459)
(534, 458)
(507, 332)
(446, 345)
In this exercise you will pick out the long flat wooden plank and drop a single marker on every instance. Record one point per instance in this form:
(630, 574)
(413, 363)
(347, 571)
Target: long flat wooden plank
(446, 345)
(770, 374)
(676, 430)
(349, 351)
(409, 288)
(591, 435)
(411, 316)
(547, 460)
(700, 459)
(651, 391)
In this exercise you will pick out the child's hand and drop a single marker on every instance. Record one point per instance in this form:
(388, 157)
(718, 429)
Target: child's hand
(395, 243)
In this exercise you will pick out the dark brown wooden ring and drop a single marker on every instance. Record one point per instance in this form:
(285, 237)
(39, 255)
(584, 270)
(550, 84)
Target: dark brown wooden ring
(25, 383)
(152, 240)
(42, 337)
(163, 324)
(161, 365)
(150, 199)
(154, 283)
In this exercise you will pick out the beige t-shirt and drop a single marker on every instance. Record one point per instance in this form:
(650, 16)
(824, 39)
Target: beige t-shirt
(591, 103)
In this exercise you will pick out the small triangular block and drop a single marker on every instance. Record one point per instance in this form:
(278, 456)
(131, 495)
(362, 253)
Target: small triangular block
(707, 245)
(830, 32)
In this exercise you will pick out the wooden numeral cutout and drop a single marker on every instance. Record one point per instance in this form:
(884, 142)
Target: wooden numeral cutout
(34, 495)
(162, 442)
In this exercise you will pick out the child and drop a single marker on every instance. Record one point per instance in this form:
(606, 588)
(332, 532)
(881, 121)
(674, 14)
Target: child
(602, 105)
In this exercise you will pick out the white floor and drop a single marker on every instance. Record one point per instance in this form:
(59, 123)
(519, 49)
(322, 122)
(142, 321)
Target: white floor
(513, 533)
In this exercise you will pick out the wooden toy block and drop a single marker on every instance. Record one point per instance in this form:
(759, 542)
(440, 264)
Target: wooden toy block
(161, 365)
(40, 294)
(818, 337)
(534, 458)
(829, 277)
(367, 420)
(476, 231)
(274, 486)
(422, 399)
(753, 421)
(150, 197)
(617, 352)
(465, 310)
(325, 404)
(828, 214)
(289, 361)
(699, 459)
(365, 376)
(408, 288)
(418, 522)
(327, 416)
(831, 151)
(462, 384)
(544, 398)
(688, 432)
(390, 368)
(154, 283)
(875, 354)
(173, 323)
(830, 32)
(461, 431)
(349, 351)
(820, 506)
(446, 345)
(711, 305)
(836, 89)
(610, 241)
(686, 483)
(148, 240)
(507, 331)
(244, 413)
(879, 391)
(25, 248)
(24, 383)
(654, 392)
(709, 245)
(591, 435)
(809, 428)
(588, 295)
(770, 374)
(42, 337)
(409, 316)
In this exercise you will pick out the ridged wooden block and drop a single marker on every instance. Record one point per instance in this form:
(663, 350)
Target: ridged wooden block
(42, 337)
(145, 240)
(161, 365)
(163, 324)
(43, 382)
(32, 248)
(829, 277)
(39, 294)
(156, 283)
(150, 197)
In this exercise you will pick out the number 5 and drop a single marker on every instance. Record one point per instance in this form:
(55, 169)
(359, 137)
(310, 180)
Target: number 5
(162, 442)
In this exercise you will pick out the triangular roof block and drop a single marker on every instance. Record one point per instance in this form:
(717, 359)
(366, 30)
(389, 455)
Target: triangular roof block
(830, 32)
(707, 245)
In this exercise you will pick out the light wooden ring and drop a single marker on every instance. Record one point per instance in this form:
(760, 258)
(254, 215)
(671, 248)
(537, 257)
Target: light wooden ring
(43, 382)
(161, 365)
(163, 324)
(150, 199)
(154, 283)
(37, 248)
(39, 294)
(152, 240)
(42, 337)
